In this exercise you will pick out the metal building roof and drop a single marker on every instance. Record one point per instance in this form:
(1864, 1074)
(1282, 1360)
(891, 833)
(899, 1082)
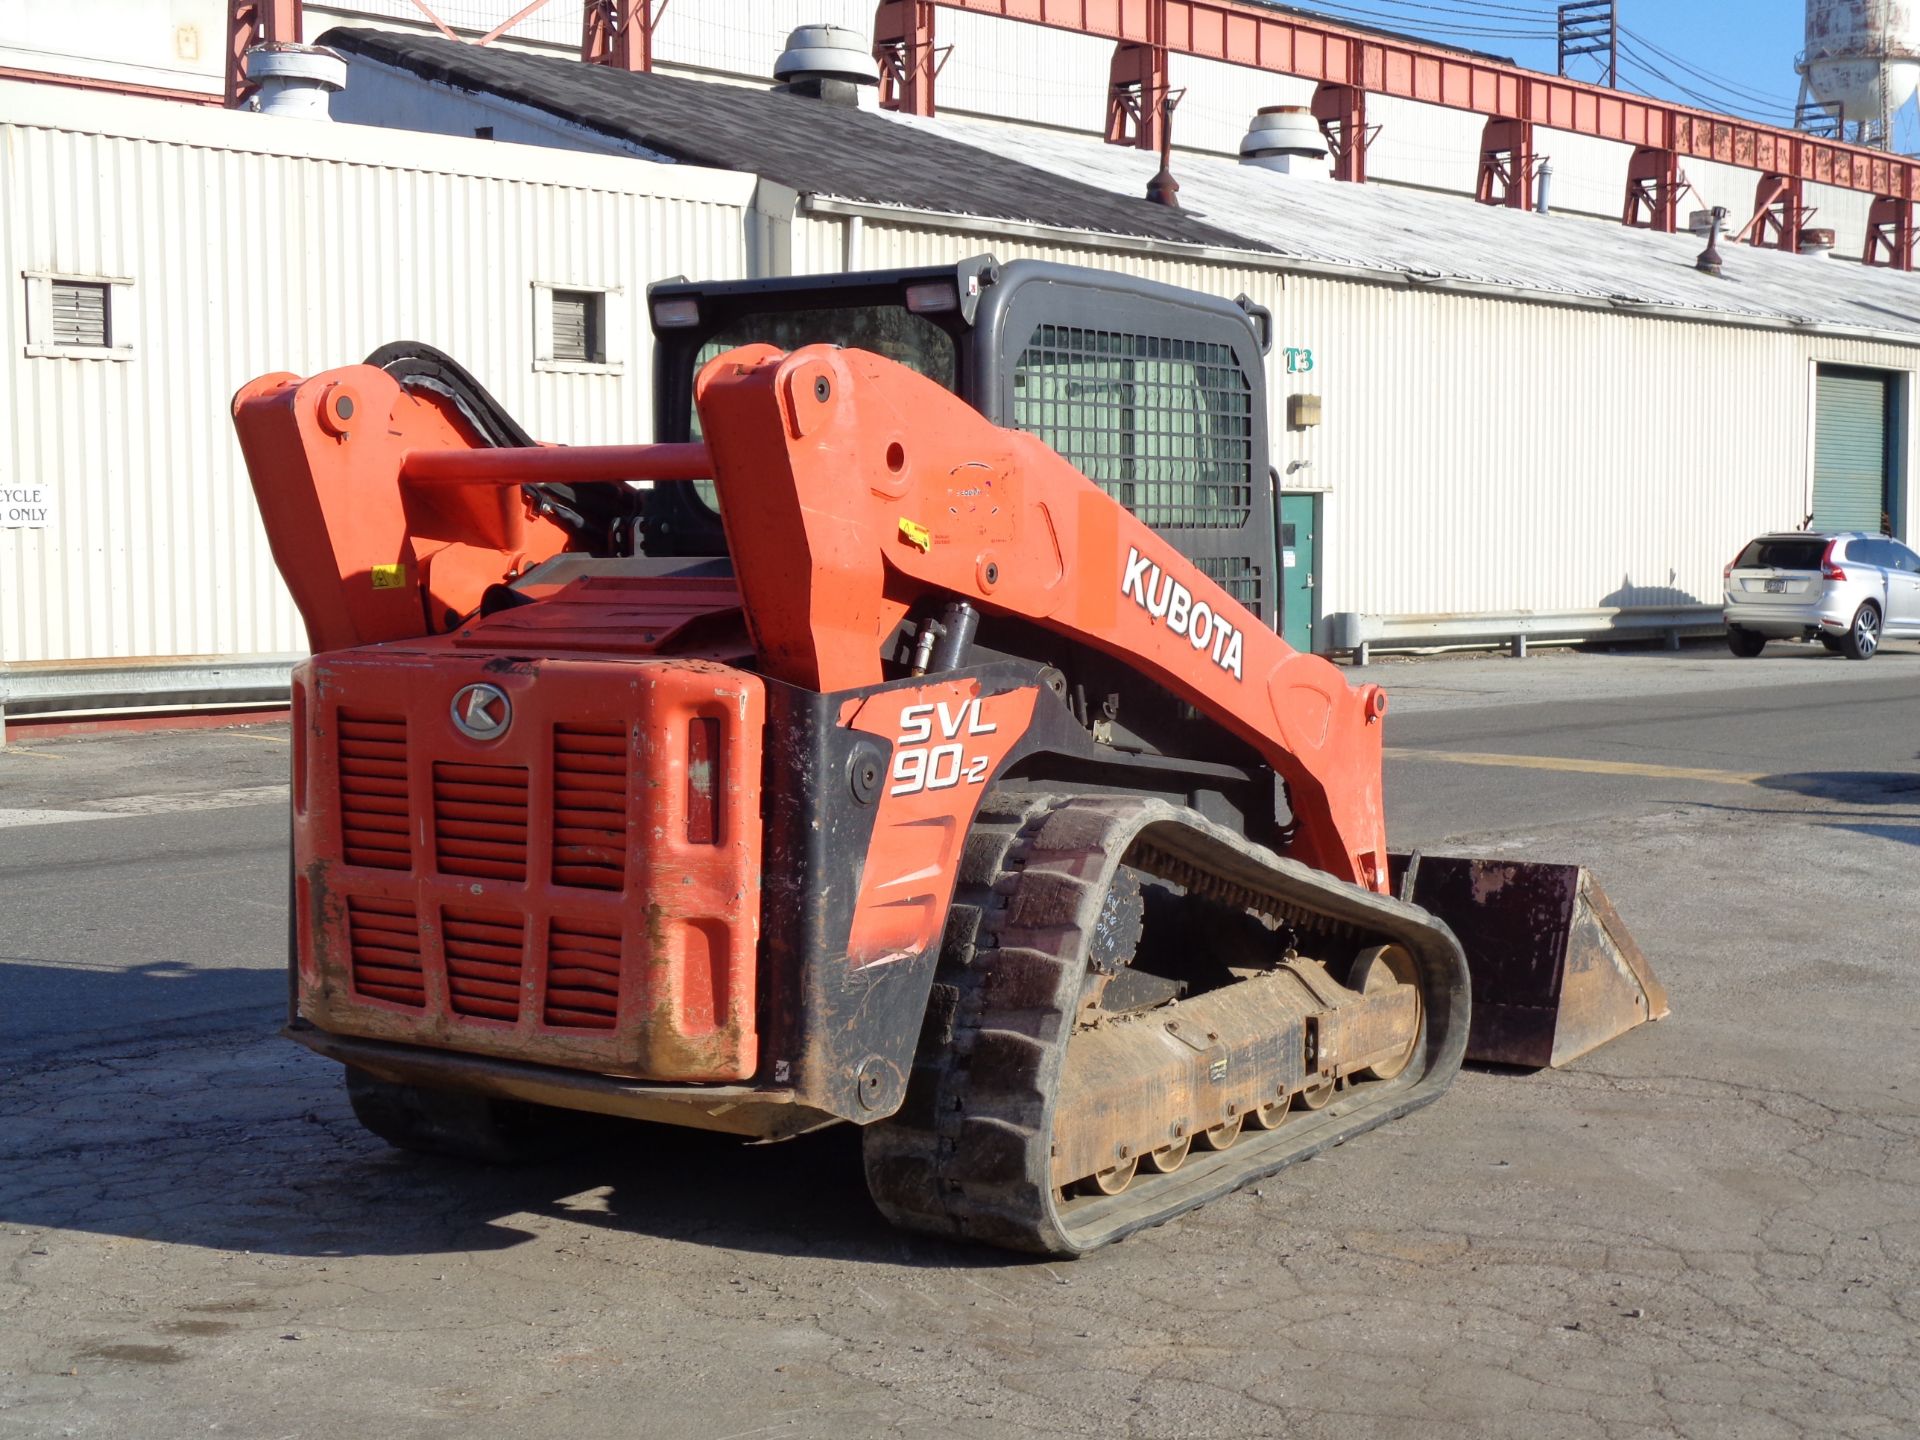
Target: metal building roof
(1063, 181)
(1384, 231)
(813, 147)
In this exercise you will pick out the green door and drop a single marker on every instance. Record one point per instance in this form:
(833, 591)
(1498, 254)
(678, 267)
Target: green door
(1850, 451)
(1299, 551)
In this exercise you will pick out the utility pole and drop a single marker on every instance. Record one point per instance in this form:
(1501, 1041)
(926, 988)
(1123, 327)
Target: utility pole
(1591, 27)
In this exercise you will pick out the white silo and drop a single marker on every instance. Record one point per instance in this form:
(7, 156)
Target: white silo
(1863, 60)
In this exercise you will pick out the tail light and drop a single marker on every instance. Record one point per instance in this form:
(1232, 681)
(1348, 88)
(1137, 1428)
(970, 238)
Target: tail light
(1829, 570)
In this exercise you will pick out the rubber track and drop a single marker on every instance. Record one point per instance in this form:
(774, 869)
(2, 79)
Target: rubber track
(969, 1154)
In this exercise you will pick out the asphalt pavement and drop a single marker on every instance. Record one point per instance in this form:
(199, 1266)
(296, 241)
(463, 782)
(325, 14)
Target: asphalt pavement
(1706, 1229)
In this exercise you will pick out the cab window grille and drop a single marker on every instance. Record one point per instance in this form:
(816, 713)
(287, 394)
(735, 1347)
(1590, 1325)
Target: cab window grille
(1163, 425)
(1235, 574)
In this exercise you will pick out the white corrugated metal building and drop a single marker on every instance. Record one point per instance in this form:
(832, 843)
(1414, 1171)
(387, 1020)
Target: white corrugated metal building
(224, 246)
(1520, 413)
(992, 69)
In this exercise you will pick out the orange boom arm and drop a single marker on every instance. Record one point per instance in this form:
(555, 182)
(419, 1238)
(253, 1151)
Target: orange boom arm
(851, 486)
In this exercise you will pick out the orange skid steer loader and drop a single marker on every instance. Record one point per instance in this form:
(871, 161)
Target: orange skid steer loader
(919, 750)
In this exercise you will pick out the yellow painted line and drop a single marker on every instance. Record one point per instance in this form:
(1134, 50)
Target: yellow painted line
(263, 739)
(1582, 767)
(36, 754)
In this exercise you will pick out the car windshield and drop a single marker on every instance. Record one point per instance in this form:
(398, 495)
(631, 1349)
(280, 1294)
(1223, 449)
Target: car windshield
(1791, 553)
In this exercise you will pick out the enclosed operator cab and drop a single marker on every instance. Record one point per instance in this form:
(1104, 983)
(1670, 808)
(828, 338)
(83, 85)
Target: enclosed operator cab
(1155, 394)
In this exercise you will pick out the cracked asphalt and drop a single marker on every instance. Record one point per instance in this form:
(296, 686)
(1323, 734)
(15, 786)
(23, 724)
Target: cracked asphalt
(1707, 1229)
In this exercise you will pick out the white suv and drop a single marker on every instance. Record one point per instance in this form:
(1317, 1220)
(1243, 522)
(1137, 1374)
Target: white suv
(1849, 591)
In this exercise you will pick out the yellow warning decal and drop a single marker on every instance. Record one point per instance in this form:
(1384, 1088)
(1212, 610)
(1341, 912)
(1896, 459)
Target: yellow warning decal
(389, 577)
(917, 536)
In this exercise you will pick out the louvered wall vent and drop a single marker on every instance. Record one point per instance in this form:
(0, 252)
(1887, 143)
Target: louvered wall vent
(81, 314)
(579, 323)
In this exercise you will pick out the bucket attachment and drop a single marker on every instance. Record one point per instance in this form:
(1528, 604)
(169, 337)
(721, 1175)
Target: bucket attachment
(1555, 973)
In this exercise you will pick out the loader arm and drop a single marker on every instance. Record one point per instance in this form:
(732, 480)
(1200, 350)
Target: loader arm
(851, 488)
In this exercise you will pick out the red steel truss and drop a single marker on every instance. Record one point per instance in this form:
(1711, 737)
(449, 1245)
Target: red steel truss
(614, 32)
(1349, 65)
(903, 46)
(1283, 43)
(251, 23)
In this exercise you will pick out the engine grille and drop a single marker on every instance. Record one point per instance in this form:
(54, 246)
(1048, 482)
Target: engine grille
(485, 960)
(383, 939)
(582, 891)
(583, 975)
(589, 807)
(480, 820)
(372, 759)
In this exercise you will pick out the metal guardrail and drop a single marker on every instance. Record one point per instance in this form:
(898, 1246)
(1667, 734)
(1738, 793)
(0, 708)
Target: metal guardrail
(58, 687)
(1359, 635)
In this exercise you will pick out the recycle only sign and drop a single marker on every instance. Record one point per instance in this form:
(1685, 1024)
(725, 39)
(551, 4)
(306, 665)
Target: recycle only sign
(24, 507)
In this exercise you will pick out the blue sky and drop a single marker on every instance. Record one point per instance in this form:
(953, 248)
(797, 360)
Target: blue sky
(1736, 58)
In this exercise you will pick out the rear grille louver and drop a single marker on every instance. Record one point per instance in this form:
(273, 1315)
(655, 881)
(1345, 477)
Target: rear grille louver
(383, 938)
(589, 807)
(583, 975)
(371, 752)
(485, 960)
(480, 820)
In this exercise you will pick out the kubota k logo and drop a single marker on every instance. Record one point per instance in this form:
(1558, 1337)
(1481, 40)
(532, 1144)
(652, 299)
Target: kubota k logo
(482, 712)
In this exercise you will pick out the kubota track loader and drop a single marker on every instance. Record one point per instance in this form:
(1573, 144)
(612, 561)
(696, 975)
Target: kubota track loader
(919, 751)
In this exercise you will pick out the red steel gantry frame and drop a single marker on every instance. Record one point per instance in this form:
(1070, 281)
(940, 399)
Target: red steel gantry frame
(1350, 64)
(612, 32)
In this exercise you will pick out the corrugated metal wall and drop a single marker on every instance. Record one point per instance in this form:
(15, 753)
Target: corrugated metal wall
(1487, 455)
(1478, 454)
(257, 244)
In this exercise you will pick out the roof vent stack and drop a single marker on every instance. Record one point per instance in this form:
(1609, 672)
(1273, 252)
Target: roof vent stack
(826, 62)
(1287, 138)
(1710, 262)
(1817, 242)
(295, 80)
(1163, 189)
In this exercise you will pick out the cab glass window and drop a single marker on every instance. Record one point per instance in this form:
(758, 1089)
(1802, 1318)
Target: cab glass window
(888, 330)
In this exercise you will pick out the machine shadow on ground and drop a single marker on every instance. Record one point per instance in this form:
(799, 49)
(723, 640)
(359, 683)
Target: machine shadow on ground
(53, 1009)
(1851, 787)
(201, 1127)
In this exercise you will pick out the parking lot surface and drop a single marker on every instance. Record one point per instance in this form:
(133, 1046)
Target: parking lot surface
(1706, 1229)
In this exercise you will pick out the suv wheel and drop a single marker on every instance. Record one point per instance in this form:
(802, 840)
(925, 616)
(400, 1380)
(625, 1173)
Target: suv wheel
(1864, 638)
(1745, 643)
